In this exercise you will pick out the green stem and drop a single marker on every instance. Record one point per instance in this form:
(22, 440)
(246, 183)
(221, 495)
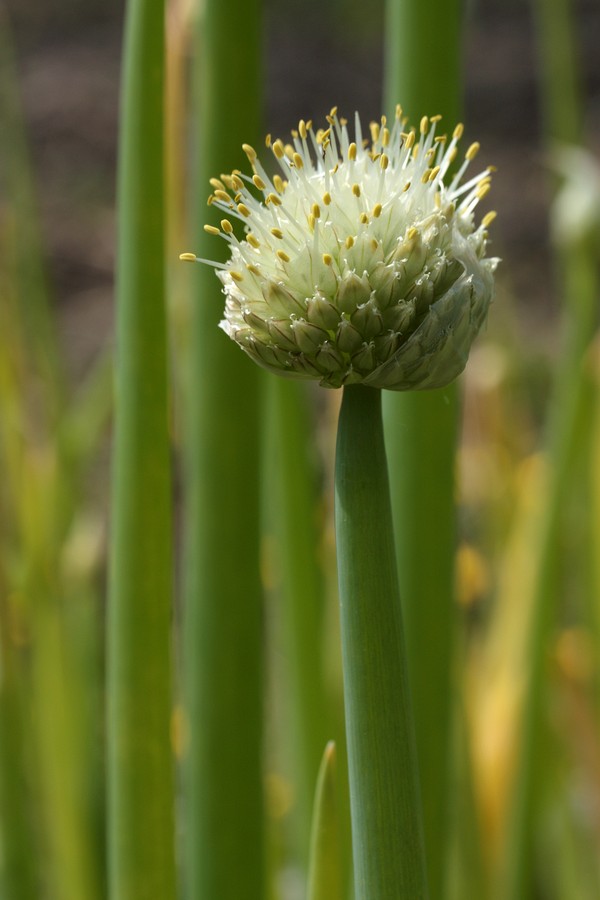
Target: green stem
(140, 764)
(295, 534)
(389, 862)
(224, 849)
(421, 433)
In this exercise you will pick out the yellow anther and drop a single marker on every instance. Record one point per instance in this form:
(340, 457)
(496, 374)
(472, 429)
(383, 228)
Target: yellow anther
(430, 154)
(237, 276)
(298, 161)
(343, 121)
(424, 125)
(384, 120)
(412, 233)
(452, 155)
(302, 129)
(415, 150)
(352, 151)
(278, 149)
(283, 256)
(253, 240)
(277, 232)
(316, 210)
(311, 222)
(237, 182)
(436, 118)
(243, 209)
(377, 210)
(492, 169)
(434, 173)
(425, 176)
(278, 182)
(441, 139)
(210, 229)
(216, 183)
(398, 111)
(294, 133)
(409, 140)
(238, 197)
(252, 268)
(374, 128)
(489, 218)
(228, 181)
(258, 182)
(406, 187)
(274, 199)
(374, 244)
(250, 152)
(268, 141)
(364, 219)
(458, 131)
(356, 190)
(349, 241)
(223, 196)
(309, 125)
(472, 151)
(326, 198)
(385, 137)
(384, 161)
(333, 112)
(484, 190)
(210, 200)
(187, 257)
(327, 259)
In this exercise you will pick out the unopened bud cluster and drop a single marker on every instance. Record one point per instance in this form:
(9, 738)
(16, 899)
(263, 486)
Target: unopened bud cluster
(360, 260)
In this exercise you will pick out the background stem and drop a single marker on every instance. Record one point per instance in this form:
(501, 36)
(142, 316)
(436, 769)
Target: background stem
(223, 667)
(140, 764)
(421, 435)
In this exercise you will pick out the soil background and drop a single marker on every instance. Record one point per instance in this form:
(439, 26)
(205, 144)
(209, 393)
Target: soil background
(316, 55)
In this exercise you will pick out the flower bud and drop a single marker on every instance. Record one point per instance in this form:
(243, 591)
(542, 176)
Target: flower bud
(359, 263)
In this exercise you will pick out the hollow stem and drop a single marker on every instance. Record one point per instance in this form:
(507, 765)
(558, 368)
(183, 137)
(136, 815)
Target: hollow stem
(389, 859)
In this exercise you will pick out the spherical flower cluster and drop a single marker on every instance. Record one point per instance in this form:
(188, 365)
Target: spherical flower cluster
(360, 260)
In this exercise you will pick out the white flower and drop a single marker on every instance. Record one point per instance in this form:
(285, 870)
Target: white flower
(360, 260)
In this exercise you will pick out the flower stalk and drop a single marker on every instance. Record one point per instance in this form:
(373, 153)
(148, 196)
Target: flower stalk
(389, 859)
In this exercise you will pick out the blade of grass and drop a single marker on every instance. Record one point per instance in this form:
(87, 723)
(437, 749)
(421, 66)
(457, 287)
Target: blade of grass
(387, 838)
(325, 876)
(421, 433)
(140, 763)
(224, 852)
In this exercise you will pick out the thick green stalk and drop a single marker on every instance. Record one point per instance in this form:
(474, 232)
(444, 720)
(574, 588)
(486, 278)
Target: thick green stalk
(224, 853)
(140, 764)
(387, 838)
(324, 875)
(421, 433)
